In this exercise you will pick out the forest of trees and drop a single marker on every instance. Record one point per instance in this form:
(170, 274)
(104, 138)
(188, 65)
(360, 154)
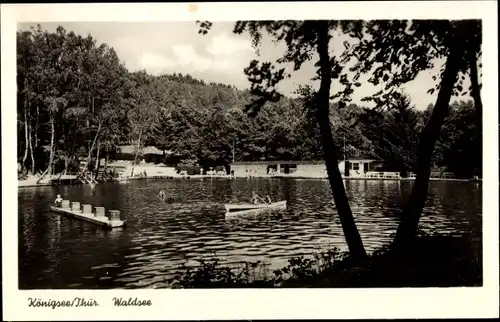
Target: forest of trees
(77, 100)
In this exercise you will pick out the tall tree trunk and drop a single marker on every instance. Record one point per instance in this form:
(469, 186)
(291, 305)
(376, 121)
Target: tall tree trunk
(52, 148)
(66, 163)
(88, 125)
(51, 159)
(33, 165)
(25, 157)
(26, 148)
(68, 147)
(353, 239)
(97, 163)
(476, 92)
(27, 123)
(137, 151)
(37, 124)
(89, 157)
(411, 214)
(106, 161)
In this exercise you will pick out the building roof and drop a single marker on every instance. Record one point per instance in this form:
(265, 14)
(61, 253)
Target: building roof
(301, 162)
(151, 150)
(363, 158)
(130, 149)
(126, 149)
(276, 162)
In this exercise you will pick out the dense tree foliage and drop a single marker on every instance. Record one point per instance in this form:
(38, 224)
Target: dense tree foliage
(76, 101)
(71, 98)
(395, 52)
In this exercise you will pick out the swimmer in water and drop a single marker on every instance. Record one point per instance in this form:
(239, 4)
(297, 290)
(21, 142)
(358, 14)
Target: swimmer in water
(161, 194)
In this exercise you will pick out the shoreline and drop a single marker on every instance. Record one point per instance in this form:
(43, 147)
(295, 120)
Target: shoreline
(445, 260)
(22, 184)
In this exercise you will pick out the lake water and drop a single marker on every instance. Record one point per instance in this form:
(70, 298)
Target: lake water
(57, 252)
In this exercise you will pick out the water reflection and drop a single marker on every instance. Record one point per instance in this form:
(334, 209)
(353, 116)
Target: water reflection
(189, 224)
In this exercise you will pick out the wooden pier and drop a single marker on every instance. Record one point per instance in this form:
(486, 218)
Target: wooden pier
(84, 212)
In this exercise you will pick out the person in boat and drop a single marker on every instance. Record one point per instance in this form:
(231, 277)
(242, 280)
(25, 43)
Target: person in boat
(256, 199)
(58, 201)
(161, 194)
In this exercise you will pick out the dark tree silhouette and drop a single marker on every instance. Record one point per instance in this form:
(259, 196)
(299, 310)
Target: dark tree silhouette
(411, 46)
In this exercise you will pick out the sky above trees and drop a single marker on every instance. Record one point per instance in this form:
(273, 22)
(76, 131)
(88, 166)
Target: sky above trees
(220, 56)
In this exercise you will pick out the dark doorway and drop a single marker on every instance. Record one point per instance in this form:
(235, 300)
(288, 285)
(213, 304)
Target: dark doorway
(346, 169)
(365, 167)
(271, 169)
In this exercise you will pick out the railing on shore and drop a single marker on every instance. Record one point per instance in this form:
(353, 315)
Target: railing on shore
(72, 178)
(435, 175)
(382, 174)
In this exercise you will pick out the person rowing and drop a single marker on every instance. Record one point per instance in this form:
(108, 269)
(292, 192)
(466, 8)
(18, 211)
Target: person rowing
(58, 201)
(256, 199)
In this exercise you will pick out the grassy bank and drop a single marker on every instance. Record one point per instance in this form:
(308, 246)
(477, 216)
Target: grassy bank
(436, 260)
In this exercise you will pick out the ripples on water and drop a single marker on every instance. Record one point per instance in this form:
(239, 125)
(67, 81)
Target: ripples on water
(57, 252)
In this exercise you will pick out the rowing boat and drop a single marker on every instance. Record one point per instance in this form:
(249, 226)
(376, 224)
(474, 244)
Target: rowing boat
(247, 208)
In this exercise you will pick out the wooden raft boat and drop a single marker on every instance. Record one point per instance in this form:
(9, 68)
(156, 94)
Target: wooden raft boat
(102, 221)
(247, 208)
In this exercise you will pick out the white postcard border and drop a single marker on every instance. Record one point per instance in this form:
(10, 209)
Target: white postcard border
(256, 304)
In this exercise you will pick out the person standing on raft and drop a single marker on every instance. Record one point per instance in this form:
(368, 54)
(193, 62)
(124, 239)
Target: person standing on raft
(58, 201)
